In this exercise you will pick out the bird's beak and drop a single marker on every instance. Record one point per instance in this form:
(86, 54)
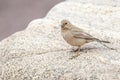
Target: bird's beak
(62, 25)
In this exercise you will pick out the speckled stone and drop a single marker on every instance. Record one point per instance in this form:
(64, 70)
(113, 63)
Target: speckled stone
(40, 53)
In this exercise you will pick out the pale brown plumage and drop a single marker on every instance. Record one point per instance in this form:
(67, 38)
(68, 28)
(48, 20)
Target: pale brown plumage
(76, 36)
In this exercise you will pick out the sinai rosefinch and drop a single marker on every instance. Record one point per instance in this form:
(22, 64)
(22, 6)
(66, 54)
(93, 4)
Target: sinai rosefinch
(76, 36)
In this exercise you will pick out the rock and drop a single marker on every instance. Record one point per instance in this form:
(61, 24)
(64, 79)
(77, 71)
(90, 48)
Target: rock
(40, 53)
(113, 3)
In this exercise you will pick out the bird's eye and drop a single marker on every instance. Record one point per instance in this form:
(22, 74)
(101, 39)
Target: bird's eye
(65, 23)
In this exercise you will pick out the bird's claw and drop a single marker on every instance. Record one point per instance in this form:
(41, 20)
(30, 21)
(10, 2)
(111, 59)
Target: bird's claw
(76, 50)
(73, 57)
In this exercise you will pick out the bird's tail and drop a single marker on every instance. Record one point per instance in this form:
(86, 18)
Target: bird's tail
(104, 41)
(101, 41)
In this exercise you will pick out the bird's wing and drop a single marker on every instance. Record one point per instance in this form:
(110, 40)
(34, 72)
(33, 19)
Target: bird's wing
(78, 33)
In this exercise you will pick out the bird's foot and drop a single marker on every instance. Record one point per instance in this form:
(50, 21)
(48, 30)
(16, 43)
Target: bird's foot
(74, 50)
(73, 57)
(77, 50)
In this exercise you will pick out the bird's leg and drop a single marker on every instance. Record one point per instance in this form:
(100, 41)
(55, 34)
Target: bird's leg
(77, 49)
(74, 50)
(78, 53)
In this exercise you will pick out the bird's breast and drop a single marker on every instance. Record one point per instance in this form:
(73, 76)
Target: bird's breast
(68, 37)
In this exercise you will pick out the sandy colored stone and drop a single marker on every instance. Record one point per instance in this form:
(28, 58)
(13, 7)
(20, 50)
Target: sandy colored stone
(40, 53)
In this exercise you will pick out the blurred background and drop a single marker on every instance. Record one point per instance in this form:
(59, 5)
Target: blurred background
(15, 15)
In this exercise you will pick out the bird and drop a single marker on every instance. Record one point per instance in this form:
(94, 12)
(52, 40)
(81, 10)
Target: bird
(76, 36)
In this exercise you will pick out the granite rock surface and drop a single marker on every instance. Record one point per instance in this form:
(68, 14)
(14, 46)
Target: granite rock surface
(40, 53)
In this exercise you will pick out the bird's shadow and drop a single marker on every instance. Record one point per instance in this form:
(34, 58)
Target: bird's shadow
(91, 48)
(85, 51)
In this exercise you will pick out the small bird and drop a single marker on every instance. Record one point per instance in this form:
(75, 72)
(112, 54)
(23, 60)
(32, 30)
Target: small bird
(76, 36)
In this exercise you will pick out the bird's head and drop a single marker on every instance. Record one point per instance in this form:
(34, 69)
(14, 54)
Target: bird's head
(65, 25)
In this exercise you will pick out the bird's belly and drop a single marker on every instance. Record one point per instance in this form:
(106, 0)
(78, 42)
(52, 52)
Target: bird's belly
(74, 41)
